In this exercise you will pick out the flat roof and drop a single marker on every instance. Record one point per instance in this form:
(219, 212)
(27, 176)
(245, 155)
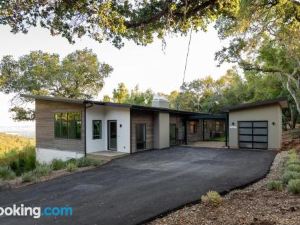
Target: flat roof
(112, 104)
(278, 101)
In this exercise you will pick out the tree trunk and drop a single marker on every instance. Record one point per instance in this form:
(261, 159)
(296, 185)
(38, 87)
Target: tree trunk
(294, 91)
(294, 116)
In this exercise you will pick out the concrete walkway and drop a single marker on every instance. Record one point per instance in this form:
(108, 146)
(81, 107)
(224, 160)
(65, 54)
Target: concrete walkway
(138, 187)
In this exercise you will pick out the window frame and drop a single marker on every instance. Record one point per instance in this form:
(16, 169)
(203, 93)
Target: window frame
(77, 121)
(193, 128)
(145, 136)
(100, 130)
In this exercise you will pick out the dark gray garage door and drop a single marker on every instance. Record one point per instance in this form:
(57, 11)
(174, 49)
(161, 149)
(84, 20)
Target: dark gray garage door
(253, 134)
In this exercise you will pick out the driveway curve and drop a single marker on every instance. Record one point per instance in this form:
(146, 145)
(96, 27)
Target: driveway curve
(141, 186)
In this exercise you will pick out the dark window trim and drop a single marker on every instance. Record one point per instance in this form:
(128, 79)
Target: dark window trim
(195, 127)
(176, 133)
(108, 134)
(100, 135)
(68, 138)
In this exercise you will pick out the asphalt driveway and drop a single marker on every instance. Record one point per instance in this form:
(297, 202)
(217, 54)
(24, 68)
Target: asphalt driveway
(135, 188)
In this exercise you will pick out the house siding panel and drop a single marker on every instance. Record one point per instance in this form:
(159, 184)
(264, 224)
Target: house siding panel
(44, 115)
(146, 118)
(178, 120)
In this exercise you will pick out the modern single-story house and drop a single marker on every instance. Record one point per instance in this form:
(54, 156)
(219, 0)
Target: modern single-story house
(72, 128)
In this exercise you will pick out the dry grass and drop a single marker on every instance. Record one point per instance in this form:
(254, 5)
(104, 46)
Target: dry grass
(9, 142)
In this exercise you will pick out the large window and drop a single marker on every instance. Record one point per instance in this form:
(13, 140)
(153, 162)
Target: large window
(140, 136)
(67, 125)
(97, 129)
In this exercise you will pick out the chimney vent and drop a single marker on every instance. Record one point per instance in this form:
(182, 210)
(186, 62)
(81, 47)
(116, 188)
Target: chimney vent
(160, 101)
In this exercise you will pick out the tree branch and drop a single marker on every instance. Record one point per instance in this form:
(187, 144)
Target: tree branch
(157, 16)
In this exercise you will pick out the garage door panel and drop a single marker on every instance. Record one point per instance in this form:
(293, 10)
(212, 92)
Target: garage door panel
(260, 138)
(245, 145)
(260, 124)
(253, 134)
(245, 138)
(263, 131)
(260, 145)
(245, 124)
(245, 131)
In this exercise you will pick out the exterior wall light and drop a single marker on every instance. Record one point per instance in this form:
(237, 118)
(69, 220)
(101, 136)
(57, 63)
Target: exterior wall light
(273, 123)
(232, 123)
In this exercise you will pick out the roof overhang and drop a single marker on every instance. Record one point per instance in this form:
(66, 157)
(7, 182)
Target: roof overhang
(54, 99)
(282, 102)
(112, 104)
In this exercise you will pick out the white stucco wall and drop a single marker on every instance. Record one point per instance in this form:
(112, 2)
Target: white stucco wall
(272, 113)
(122, 116)
(105, 113)
(44, 155)
(95, 113)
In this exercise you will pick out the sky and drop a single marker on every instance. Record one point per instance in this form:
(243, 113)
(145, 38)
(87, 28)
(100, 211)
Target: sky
(147, 66)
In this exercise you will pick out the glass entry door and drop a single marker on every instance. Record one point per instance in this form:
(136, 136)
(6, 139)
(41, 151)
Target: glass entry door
(140, 136)
(112, 135)
(173, 134)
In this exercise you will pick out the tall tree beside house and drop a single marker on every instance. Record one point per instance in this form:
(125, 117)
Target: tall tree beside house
(120, 94)
(78, 75)
(140, 21)
(106, 98)
(138, 97)
(264, 38)
(209, 95)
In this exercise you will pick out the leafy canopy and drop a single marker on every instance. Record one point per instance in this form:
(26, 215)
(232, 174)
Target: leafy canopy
(121, 94)
(113, 20)
(264, 38)
(78, 75)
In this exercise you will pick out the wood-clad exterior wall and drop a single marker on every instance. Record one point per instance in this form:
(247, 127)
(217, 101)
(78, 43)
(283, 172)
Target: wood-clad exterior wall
(142, 117)
(44, 116)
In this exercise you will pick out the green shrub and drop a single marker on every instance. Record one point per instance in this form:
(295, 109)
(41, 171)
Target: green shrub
(72, 161)
(293, 155)
(6, 173)
(275, 185)
(212, 198)
(289, 175)
(22, 161)
(294, 186)
(71, 166)
(293, 162)
(58, 164)
(84, 162)
(294, 167)
(42, 170)
(29, 177)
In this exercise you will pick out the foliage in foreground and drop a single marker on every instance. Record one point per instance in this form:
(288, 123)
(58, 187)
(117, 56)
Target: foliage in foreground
(20, 161)
(294, 186)
(212, 198)
(6, 173)
(40, 171)
(71, 167)
(275, 185)
(58, 164)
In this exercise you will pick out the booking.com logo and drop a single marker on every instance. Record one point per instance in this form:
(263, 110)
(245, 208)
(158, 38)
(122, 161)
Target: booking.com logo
(35, 212)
